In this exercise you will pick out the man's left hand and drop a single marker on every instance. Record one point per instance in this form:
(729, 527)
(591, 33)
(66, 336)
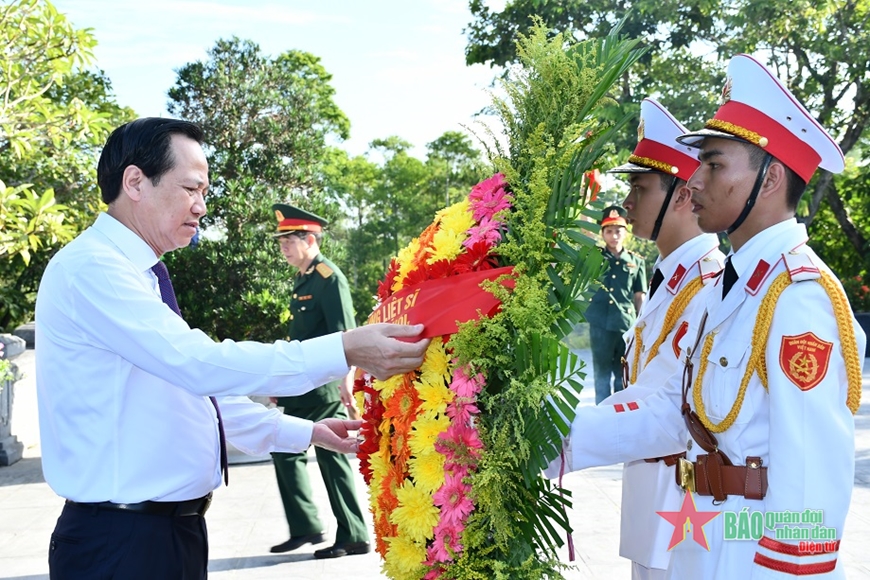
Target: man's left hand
(333, 434)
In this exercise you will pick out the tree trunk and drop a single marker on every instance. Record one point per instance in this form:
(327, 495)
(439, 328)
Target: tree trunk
(851, 232)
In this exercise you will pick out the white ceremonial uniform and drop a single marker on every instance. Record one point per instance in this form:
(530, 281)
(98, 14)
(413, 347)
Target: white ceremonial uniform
(122, 380)
(799, 424)
(650, 487)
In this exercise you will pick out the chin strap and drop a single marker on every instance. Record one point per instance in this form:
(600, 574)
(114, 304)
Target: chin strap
(750, 202)
(665, 204)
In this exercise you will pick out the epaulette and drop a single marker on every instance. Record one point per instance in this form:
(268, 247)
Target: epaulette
(324, 270)
(800, 265)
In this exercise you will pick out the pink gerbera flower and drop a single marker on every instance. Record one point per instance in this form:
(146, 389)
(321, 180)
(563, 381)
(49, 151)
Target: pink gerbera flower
(487, 231)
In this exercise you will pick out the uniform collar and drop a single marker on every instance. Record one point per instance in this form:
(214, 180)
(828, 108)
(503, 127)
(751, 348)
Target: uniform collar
(684, 257)
(784, 236)
(754, 263)
(127, 241)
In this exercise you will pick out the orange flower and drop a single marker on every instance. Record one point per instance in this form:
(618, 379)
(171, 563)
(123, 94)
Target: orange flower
(401, 408)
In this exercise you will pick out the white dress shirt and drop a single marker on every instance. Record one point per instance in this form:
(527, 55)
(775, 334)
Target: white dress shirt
(123, 382)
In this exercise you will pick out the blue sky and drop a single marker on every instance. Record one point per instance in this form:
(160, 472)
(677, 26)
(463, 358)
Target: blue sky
(398, 66)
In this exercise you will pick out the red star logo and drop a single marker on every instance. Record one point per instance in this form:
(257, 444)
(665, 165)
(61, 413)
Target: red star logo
(689, 515)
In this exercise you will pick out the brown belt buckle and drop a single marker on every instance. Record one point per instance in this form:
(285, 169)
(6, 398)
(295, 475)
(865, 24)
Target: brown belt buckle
(686, 474)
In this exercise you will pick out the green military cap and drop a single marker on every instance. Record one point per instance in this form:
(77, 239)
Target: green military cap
(292, 219)
(613, 215)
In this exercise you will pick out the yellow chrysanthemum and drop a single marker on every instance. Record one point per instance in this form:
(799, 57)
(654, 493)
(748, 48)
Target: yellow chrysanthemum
(404, 559)
(359, 398)
(446, 245)
(427, 469)
(425, 433)
(434, 397)
(416, 516)
(436, 362)
(380, 462)
(406, 263)
(389, 386)
(457, 217)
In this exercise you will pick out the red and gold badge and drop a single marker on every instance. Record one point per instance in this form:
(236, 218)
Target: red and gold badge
(804, 359)
(681, 332)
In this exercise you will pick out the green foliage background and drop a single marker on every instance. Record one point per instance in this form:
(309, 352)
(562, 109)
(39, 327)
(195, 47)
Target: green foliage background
(820, 49)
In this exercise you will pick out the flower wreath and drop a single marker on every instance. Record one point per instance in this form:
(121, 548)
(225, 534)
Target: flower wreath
(452, 452)
(419, 439)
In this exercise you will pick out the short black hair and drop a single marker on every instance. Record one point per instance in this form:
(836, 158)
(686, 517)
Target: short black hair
(144, 143)
(667, 181)
(795, 186)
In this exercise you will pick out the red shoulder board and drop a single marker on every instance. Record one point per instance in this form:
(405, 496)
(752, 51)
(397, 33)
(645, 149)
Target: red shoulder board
(804, 359)
(674, 282)
(758, 277)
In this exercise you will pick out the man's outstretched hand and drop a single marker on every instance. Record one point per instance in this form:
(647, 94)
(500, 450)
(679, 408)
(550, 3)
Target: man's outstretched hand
(334, 434)
(384, 350)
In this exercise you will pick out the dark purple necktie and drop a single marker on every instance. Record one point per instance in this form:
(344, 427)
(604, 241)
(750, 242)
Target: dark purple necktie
(168, 294)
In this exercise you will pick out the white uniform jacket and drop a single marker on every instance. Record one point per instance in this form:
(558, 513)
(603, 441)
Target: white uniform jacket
(799, 424)
(651, 487)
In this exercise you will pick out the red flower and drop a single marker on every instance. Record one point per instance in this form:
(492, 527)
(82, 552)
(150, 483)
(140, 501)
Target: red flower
(417, 275)
(385, 287)
(440, 269)
(474, 259)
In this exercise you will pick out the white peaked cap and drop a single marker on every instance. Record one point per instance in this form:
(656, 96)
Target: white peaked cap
(756, 107)
(657, 147)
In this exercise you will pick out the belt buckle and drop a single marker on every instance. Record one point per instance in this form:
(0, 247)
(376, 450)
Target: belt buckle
(686, 472)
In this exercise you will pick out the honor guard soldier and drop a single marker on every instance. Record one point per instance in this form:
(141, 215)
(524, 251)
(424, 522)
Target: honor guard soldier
(659, 208)
(321, 304)
(614, 306)
(773, 377)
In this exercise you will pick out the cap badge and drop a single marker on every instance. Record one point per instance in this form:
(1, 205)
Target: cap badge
(640, 130)
(726, 91)
(613, 214)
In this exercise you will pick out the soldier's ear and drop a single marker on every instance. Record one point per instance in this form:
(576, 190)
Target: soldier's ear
(682, 196)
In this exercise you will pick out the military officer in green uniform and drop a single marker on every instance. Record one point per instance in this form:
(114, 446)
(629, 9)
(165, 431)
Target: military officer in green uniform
(321, 304)
(615, 305)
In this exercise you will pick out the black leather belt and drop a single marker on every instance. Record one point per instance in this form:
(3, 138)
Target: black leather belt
(191, 507)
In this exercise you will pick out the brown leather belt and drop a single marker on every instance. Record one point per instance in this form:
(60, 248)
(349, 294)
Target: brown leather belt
(711, 476)
(669, 460)
(192, 507)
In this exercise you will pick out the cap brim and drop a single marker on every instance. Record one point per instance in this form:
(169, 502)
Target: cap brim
(287, 233)
(632, 168)
(694, 138)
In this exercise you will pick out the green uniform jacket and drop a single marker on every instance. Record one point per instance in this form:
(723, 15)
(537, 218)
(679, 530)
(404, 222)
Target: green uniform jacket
(321, 305)
(612, 306)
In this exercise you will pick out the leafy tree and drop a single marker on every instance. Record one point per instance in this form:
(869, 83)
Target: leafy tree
(820, 49)
(453, 158)
(267, 121)
(54, 116)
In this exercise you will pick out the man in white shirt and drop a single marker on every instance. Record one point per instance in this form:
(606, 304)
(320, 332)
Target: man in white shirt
(133, 403)
(659, 208)
(773, 377)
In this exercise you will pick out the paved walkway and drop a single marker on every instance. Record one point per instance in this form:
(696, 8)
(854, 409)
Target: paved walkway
(246, 517)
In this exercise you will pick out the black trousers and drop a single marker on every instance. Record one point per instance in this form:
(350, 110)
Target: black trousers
(95, 544)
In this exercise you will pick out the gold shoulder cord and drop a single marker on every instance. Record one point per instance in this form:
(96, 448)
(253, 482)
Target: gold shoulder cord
(638, 346)
(757, 359)
(675, 310)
